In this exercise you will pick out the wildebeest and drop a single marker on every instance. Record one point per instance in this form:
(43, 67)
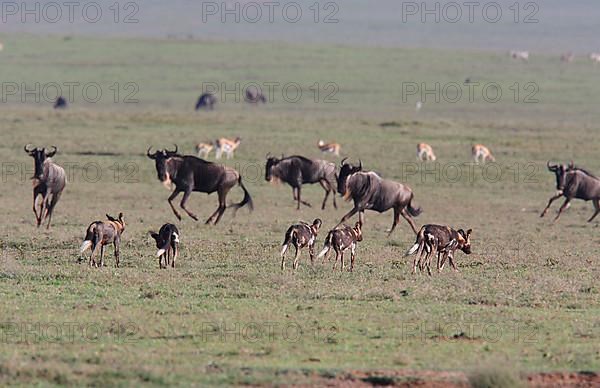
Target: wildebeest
(190, 173)
(340, 240)
(60, 103)
(300, 235)
(167, 242)
(482, 154)
(298, 170)
(227, 146)
(49, 180)
(206, 101)
(101, 233)
(370, 192)
(425, 152)
(574, 183)
(439, 239)
(254, 96)
(329, 148)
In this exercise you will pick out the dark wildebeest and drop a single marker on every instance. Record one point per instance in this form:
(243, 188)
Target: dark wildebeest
(101, 233)
(370, 192)
(60, 103)
(573, 182)
(340, 240)
(298, 170)
(254, 96)
(49, 181)
(190, 173)
(300, 235)
(206, 101)
(167, 242)
(441, 239)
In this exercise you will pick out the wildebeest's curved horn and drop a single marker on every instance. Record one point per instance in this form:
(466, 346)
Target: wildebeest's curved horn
(571, 165)
(151, 156)
(359, 164)
(26, 150)
(268, 155)
(550, 166)
(52, 153)
(342, 162)
(176, 148)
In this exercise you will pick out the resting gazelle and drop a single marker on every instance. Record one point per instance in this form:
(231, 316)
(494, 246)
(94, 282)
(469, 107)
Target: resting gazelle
(329, 148)
(425, 152)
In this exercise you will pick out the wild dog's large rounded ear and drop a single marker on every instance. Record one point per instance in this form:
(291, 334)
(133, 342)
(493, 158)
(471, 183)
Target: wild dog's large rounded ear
(109, 217)
(317, 222)
(153, 234)
(121, 216)
(469, 232)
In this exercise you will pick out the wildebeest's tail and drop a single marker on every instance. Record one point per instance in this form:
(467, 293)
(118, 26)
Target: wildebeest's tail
(247, 198)
(414, 211)
(90, 235)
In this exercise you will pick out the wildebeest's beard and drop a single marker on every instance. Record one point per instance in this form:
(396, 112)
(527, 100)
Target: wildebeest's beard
(271, 162)
(39, 157)
(346, 170)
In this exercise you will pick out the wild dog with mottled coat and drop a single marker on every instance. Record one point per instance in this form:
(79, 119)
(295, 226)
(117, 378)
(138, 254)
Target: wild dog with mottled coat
(101, 233)
(329, 148)
(204, 149)
(49, 180)
(340, 240)
(439, 239)
(425, 152)
(301, 235)
(228, 146)
(167, 242)
(482, 154)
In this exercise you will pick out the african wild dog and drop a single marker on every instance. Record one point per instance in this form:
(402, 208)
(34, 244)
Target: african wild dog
(439, 239)
(329, 148)
(101, 233)
(482, 154)
(301, 235)
(340, 240)
(49, 181)
(167, 242)
(425, 152)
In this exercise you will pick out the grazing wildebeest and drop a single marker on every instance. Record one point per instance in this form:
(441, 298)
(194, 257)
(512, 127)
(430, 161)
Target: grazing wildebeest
(101, 233)
(167, 242)
(370, 192)
(206, 101)
(254, 96)
(340, 240)
(300, 235)
(49, 181)
(441, 239)
(60, 103)
(573, 182)
(298, 170)
(425, 152)
(190, 173)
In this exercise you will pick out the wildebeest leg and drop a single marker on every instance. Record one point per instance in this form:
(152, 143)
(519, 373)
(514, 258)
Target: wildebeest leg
(50, 208)
(347, 216)
(396, 219)
(171, 198)
(557, 196)
(186, 196)
(597, 208)
(300, 201)
(38, 218)
(327, 189)
(408, 218)
(222, 205)
(296, 257)
(562, 208)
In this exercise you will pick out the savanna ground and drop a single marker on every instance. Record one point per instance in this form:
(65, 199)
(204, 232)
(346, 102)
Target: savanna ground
(525, 301)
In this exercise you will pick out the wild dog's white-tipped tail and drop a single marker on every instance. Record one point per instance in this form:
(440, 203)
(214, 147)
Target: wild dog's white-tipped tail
(412, 250)
(176, 237)
(160, 252)
(323, 252)
(84, 246)
(284, 249)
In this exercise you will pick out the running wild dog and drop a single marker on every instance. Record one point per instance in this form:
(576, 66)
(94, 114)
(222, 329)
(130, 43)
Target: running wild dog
(439, 239)
(228, 146)
(329, 148)
(167, 242)
(101, 233)
(301, 235)
(340, 240)
(482, 154)
(425, 152)
(204, 149)
(49, 180)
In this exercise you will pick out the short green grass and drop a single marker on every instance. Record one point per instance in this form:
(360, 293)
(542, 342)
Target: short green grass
(527, 297)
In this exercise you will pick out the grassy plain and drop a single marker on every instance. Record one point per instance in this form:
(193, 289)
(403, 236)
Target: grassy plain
(527, 298)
